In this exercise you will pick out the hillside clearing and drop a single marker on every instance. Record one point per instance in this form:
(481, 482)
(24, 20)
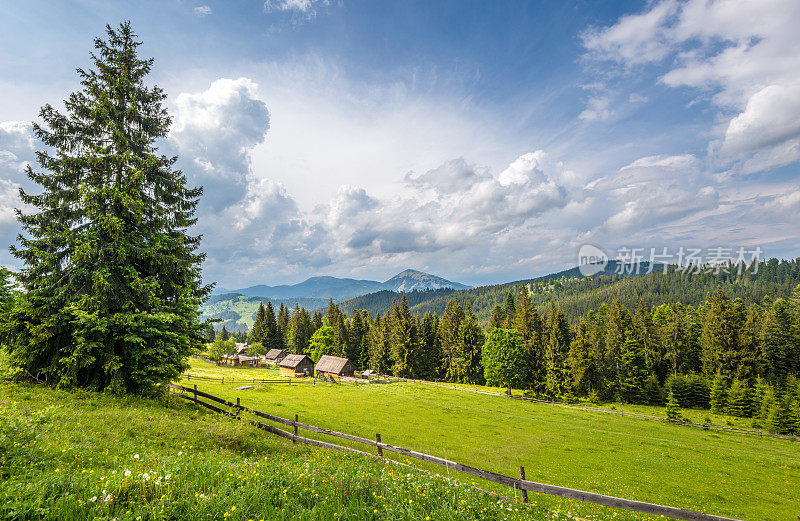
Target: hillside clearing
(77, 456)
(732, 475)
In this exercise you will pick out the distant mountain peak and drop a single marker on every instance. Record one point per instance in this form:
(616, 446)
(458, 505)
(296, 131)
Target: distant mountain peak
(415, 280)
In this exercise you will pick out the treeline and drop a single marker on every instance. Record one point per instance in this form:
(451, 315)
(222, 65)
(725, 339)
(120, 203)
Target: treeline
(737, 358)
(577, 295)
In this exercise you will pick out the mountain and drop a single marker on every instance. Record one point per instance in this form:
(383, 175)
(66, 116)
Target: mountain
(413, 280)
(237, 307)
(341, 288)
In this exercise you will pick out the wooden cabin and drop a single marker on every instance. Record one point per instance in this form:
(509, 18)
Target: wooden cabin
(334, 366)
(274, 356)
(296, 366)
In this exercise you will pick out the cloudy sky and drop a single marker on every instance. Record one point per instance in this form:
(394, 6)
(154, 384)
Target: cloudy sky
(480, 141)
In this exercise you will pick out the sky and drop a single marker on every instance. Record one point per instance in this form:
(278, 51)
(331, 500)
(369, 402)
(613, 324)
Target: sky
(480, 141)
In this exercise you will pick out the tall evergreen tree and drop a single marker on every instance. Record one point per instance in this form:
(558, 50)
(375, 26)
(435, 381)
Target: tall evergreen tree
(404, 341)
(112, 278)
(283, 324)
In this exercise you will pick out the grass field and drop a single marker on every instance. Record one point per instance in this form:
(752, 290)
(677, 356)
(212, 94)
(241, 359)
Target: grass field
(733, 475)
(79, 455)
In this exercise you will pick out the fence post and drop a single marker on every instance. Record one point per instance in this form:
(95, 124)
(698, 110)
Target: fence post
(223, 380)
(378, 439)
(522, 477)
(188, 377)
(294, 440)
(195, 394)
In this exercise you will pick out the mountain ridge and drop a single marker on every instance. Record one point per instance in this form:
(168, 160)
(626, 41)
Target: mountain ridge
(337, 288)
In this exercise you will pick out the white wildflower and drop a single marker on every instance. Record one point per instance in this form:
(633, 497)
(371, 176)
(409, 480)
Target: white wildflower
(127, 473)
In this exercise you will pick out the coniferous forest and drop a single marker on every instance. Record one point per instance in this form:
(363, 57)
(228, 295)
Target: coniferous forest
(634, 339)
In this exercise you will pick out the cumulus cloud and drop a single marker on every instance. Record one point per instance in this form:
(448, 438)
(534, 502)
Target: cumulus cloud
(216, 131)
(769, 128)
(746, 55)
(456, 205)
(654, 191)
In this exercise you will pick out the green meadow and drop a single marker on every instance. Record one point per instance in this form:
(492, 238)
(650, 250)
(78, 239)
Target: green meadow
(73, 456)
(733, 475)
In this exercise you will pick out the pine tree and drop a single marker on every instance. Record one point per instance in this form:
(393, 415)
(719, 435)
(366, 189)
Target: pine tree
(404, 341)
(719, 394)
(272, 337)
(558, 377)
(721, 336)
(300, 331)
(498, 319)
(379, 349)
(112, 279)
(740, 399)
(259, 331)
(224, 335)
(283, 324)
(510, 311)
(581, 366)
(449, 330)
(673, 409)
(471, 340)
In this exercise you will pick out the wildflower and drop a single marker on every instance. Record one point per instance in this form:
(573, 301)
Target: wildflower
(180, 453)
(135, 456)
(127, 473)
(146, 476)
(94, 498)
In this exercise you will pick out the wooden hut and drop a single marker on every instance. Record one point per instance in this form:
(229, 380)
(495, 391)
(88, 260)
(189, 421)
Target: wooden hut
(334, 366)
(296, 366)
(274, 356)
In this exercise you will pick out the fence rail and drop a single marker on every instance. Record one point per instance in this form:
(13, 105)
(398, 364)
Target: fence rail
(516, 483)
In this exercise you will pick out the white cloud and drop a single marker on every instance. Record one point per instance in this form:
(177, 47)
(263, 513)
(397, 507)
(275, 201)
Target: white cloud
(307, 7)
(598, 108)
(655, 191)
(634, 39)
(215, 132)
(744, 54)
(202, 11)
(769, 127)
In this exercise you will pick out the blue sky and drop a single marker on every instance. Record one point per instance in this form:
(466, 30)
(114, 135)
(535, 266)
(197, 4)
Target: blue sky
(481, 141)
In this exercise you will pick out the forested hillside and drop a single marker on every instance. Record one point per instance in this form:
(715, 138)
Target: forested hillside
(576, 295)
(729, 340)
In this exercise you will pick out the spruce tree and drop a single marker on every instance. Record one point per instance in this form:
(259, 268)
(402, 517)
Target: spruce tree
(112, 278)
(673, 409)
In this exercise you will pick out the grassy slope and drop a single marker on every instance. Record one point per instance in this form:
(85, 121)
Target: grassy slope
(199, 466)
(734, 475)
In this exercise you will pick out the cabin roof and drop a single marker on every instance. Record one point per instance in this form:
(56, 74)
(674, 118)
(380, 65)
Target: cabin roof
(272, 354)
(334, 364)
(292, 361)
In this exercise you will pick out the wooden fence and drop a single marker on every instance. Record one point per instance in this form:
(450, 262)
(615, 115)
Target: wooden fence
(517, 483)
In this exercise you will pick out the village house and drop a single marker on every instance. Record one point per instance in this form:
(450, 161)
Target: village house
(296, 366)
(334, 366)
(274, 356)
